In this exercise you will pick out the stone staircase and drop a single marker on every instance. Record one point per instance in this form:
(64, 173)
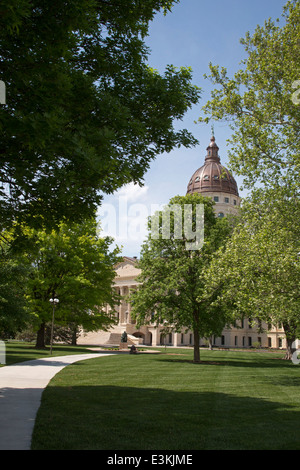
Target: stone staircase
(115, 339)
(112, 337)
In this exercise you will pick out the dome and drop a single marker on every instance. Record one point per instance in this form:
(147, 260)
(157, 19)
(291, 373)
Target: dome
(212, 176)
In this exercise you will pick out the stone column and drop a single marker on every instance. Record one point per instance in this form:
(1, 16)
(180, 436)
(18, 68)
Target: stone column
(129, 306)
(121, 314)
(117, 307)
(155, 336)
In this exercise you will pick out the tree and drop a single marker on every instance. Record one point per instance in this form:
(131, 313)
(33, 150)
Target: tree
(257, 274)
(85, 114)
(75, 265)
(261, 102)
(172, 290)
(13, 314)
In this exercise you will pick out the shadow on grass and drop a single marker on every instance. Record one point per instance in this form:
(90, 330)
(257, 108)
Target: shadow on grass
(232, 362)
(21, 353)
(123, 418)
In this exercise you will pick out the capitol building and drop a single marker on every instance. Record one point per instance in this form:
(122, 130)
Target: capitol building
(212, 180)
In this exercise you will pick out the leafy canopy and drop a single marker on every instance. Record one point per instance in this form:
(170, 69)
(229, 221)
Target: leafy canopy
(172, 290)
(260, 102)
(258, 273)
(13, 276)
(85, 114)
(74, 264)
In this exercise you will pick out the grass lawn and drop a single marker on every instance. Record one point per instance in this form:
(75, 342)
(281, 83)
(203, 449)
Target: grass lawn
(232, 400)
(19, 351)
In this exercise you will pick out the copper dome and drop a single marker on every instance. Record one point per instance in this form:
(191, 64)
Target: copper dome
(212, 176)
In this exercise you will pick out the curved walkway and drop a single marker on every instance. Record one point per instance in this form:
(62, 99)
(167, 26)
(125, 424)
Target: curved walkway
(21, 388)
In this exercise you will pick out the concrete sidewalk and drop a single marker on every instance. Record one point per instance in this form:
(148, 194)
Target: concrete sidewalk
(21, 388)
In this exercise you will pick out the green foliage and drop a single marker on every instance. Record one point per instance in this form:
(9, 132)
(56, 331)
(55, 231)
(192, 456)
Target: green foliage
(258, 102)
(13, 314)
(258, 273)
(75, 265)
(172, 288)
(85, 114)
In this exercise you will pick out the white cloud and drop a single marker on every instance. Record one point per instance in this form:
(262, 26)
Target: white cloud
(124, 216)
(133, 192)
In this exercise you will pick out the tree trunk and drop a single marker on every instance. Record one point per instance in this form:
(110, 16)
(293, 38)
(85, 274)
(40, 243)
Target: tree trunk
(74, 336)
(196, 346)
(40, 339)
(47, 334)
(289, 349)
(290, 333)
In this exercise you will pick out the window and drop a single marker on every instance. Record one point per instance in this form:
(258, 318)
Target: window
(182, 338)
(270, 342)
(227, 200)
(197, 179)
(206, 177)
(235, 340)
(191, 338)
(216, 198)
(170, 338)
(216, 177)
(223, 340)
(234, 202)
(220, 214)
(249, 341)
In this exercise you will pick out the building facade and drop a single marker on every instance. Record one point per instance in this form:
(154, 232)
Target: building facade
(213, 180)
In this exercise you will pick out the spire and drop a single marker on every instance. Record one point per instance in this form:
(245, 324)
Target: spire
(212, 151)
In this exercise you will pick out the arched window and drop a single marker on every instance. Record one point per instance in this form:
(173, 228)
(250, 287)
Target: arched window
(220, 214)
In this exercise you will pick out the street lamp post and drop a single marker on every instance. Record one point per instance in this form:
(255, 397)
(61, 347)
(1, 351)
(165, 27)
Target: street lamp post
(54, 301)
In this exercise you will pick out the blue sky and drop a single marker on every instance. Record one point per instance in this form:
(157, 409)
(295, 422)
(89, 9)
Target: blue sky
(194, 34)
